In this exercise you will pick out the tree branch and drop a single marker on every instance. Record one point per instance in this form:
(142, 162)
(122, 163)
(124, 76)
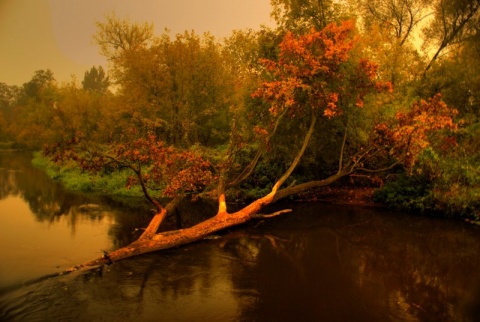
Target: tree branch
(293, 190)
(157, 220)
(340, 161)
(298, 157)
(248, 170)
(390, 167)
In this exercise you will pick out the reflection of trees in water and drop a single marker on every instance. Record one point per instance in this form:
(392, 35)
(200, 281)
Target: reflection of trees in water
(8, 183)
(426, 269)
(9, 168)
(341, 265)
(19, 178)
(330, 263)
(360, 266)
(47, 200)
(354, 265)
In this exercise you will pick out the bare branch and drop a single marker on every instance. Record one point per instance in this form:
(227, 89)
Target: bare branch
(248, 170)
(390, 167)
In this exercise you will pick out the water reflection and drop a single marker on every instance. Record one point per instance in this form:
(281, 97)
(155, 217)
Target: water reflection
(44, 228)
(319, 263)
(46, 199)
(359, 266)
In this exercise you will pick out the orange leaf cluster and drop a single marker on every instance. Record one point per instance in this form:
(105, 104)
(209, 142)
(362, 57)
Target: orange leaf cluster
(310, 73)
(411, 133)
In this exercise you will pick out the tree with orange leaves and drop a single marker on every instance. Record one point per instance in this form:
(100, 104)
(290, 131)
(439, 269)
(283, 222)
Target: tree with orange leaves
(410, 133)
(314, 78)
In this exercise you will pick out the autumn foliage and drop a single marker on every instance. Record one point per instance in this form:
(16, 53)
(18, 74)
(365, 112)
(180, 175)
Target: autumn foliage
(319, 74)
(177, 171)
(411, 133)
(314, 73)
(263, 115)
(155, 165)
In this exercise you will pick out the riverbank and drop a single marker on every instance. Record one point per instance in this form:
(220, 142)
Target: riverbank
(112, 184)
(341, 195)
(364, 196)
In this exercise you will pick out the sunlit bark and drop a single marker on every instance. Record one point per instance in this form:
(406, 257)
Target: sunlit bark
(151, 241)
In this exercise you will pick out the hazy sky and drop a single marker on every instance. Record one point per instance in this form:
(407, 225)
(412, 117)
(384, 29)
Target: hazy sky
(57, 34)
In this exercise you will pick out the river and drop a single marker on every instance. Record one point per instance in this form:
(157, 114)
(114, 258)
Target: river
(321, 262)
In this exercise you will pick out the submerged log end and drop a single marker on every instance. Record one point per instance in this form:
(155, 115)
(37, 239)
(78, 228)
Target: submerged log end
(85, 266)
(272, 214)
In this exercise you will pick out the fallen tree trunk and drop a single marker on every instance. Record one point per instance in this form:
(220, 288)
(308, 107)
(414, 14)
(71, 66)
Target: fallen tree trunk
(153, 242)
(150, 241)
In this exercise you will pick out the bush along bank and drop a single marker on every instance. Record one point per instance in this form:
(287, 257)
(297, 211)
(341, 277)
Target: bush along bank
(440, 186)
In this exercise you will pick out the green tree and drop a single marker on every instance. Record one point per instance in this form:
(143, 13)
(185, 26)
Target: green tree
(95, 80)
(88, 113)
(31, 117)
(120, 39)
(180, 88)
(9, 96)
(36, 88)
(301, 15)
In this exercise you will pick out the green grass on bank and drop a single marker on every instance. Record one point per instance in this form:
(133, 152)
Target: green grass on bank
(112, 184)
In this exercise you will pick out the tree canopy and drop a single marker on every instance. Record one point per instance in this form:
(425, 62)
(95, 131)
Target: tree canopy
(338, 88)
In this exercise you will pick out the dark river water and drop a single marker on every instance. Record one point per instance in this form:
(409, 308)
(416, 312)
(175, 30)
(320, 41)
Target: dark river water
(319, 263)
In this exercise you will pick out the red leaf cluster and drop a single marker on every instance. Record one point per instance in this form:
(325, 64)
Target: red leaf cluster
(157, 166)
(177, 171)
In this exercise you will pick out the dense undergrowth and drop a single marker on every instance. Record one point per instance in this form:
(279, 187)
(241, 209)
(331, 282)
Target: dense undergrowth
(439, 185)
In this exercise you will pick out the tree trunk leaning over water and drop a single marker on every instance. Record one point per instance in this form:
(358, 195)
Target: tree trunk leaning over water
(314, 77)
(170, 239)
(151, 241)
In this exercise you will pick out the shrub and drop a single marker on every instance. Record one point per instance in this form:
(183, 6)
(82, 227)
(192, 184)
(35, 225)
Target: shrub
(406, 193)
(449, 186)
